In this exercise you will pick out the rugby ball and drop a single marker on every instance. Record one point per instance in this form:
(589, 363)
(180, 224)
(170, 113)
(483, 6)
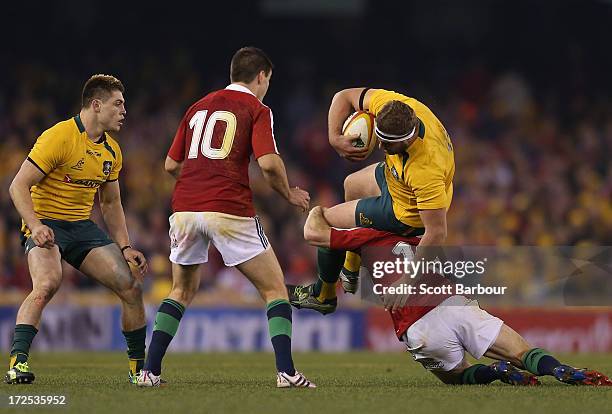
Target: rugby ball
(361, 123)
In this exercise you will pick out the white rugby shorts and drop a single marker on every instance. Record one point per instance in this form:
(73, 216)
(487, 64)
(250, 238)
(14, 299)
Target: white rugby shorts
(237, 238)
(440, 338)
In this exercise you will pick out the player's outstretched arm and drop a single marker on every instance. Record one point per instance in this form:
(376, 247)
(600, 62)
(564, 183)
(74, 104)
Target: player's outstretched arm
(275, 174)
(112, 212)
(28, 176)
(342, 105)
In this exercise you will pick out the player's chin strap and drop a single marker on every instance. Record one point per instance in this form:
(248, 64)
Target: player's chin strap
(383, 136)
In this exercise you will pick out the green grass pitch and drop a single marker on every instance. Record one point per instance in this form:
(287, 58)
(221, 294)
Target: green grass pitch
(359, 382)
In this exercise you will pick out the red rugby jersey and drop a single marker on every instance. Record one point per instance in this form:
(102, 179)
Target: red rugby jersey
(215, 140)
(378, 245)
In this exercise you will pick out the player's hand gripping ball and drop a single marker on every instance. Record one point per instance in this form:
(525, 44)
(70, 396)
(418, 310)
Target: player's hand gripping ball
(361, 123)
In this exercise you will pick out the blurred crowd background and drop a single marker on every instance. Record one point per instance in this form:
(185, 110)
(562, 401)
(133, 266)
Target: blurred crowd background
(522, 88)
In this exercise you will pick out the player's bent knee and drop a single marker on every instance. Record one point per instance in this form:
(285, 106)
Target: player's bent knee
(316, 233)
(44, 291)
(314, 236)
(131, 290)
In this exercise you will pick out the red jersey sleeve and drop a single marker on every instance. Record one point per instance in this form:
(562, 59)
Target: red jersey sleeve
(177, 150)
(263, 133)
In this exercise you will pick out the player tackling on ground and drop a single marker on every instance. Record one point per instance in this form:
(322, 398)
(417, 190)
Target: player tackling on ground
(439, 329)
(54, 193)
(212, 202)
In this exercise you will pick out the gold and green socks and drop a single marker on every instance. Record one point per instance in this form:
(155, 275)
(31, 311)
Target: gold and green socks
(329, 264)
(135, 341)
(22, 340)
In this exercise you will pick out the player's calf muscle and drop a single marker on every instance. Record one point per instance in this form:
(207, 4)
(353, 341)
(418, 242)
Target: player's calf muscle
(274, 294)
(183, 294)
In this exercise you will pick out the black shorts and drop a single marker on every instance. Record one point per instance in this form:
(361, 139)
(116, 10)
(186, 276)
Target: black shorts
(377, 212)
(75, 239)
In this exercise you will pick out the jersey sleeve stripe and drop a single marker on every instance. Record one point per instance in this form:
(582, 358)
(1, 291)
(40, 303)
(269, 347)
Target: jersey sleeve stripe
(37, 166)
(361, 96)
(272, 130)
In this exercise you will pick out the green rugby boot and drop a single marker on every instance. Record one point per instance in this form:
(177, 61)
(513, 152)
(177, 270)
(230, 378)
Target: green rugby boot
(302, 297)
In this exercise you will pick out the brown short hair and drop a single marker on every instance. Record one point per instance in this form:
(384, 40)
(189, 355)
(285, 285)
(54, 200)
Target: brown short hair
(99, 87)
(396, 118)
(247, 63)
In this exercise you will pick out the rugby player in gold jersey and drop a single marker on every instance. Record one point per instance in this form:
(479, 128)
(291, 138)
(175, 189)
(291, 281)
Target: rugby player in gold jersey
(54, 193)
(407, 194)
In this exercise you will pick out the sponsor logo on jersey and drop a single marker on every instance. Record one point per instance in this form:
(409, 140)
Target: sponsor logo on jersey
(85, 183)
(79, 165)
(106, 167)
(96, 153)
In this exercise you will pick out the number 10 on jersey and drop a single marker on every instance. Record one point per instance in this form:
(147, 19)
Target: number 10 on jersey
(199, 122)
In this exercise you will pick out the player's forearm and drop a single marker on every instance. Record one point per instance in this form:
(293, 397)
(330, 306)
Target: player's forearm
(22, 199)
(113, 215)
(430, 245)
(340, 108)
(433, 238)
(276, 177)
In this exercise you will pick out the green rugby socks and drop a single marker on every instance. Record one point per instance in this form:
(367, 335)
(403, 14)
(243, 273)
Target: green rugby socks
(478, 374)
(166, 324)
(135, 341)
(22, 340)
(539, 362)
(279, 325)
(329, 264)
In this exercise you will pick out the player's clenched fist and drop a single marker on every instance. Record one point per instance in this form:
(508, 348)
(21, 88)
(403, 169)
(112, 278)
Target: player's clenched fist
(43, 236)
(299, 198)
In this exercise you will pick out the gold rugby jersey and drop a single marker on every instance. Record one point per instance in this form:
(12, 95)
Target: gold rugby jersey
(74, 167)
(422, 177)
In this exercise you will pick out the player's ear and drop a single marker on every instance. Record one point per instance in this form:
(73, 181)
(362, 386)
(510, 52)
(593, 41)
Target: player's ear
(261, 76)
(96, 104)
